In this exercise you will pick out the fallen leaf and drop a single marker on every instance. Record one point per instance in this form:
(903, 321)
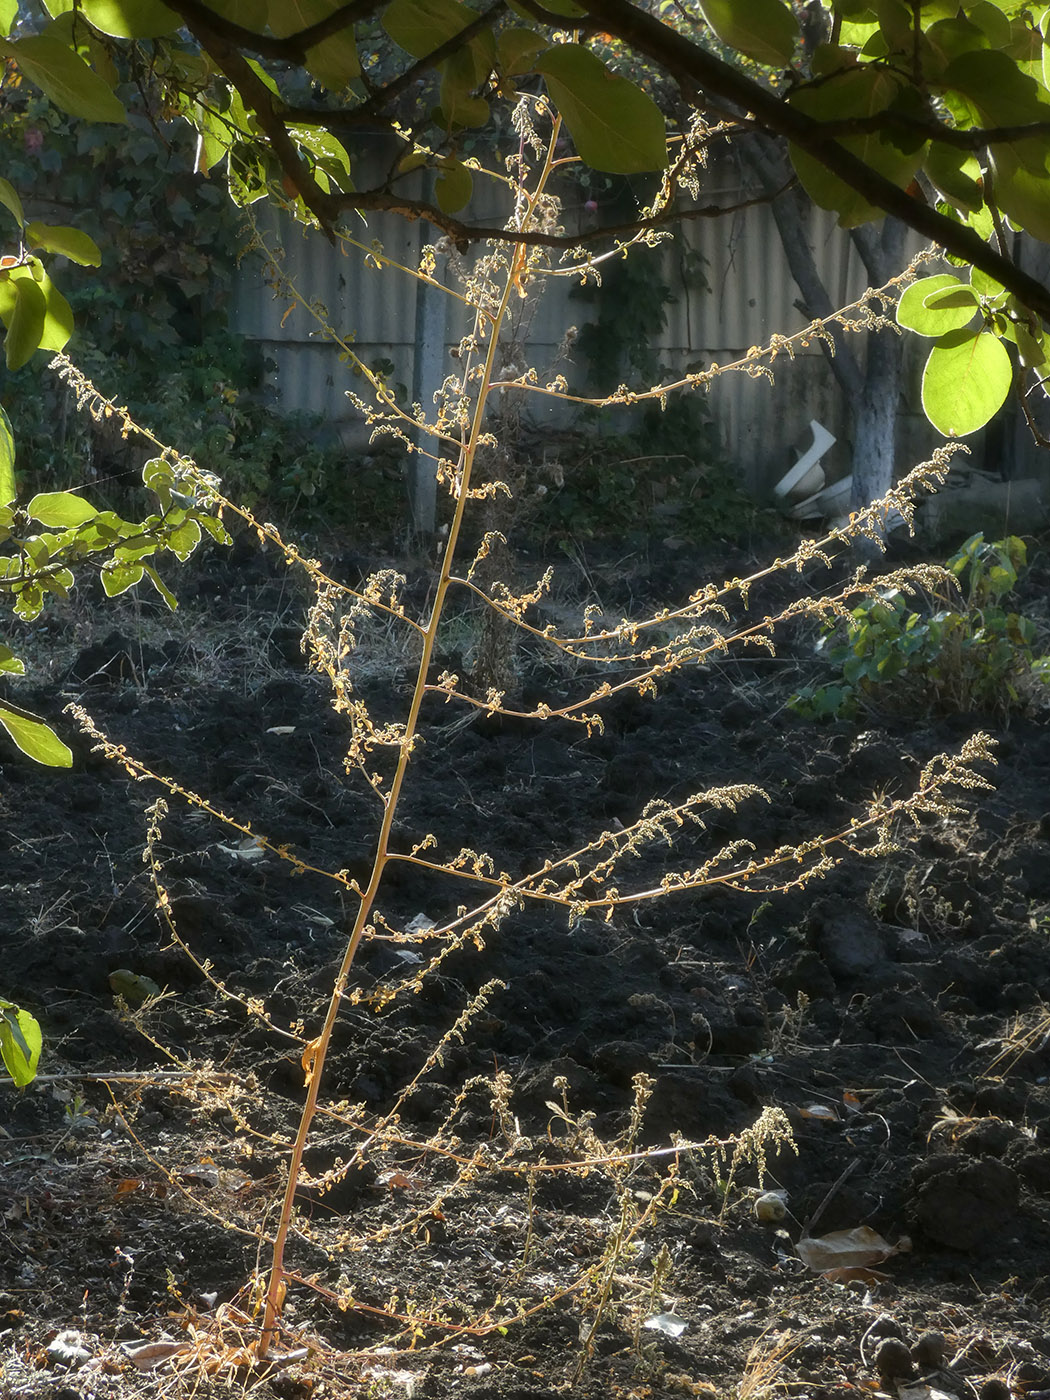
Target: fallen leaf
(844, 1249)
(281, 729)
(395, 1181)
(147, 1355)
(135, 989)
(138, 1185)
(819, 1110)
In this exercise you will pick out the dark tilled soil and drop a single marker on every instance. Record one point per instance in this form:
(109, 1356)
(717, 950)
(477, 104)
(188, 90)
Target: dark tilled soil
(893, 1015)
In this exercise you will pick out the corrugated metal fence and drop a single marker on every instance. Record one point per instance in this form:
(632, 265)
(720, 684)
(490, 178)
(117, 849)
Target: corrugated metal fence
(750, 296)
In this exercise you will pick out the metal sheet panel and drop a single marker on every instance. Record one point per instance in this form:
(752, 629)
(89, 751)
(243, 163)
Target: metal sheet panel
(750, 296)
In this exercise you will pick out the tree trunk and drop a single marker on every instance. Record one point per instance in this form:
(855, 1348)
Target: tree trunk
(875, 421)
(871, 389)
(767, 162)
(875, 417)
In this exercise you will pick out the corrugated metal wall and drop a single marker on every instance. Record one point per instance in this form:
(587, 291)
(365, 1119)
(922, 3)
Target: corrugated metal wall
(750, 297)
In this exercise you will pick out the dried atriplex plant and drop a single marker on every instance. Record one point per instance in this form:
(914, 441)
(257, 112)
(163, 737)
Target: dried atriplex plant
(605, 872)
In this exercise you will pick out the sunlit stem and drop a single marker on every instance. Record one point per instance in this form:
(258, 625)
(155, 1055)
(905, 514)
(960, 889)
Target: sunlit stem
(317, 1050)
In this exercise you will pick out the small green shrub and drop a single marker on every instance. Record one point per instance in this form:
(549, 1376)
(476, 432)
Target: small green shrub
(971, 654)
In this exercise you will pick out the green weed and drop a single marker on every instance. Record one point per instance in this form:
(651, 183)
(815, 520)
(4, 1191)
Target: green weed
(973, 652)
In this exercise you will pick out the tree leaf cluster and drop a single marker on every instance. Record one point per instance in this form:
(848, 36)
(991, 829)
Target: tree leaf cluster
(55, 533)
(937, 113)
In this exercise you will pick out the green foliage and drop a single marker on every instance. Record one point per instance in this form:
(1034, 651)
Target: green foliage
(36, 739)
(168, 242)
(880, 104)
(20, 1043)
(973, 654)
(969, 372)
(631, 313)
(44, 541)
(764, 30)
(616, 127)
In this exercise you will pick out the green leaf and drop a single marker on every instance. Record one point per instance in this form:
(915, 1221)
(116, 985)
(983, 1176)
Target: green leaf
(982, 223)
(65, 78)
(334, 60)
(10, 663)
(996, 86)
(952, 299)
(955, 173)
(965, 382)
(8, 15)
(10, 200)
(118, 578)
(421, 26)
(67, 242)
(131, 19)
(213, 141)
(243, 12)
(992, 22)
(57, 325)
(36, 739)
(26, 326)
(860, 92)
(463, 110)
(459, 77)
(1022, 193)
(216, 529)
(331, 155)
(915, 313)
(183, 541)
(61, 509)
(615, 126)
(985, 285)
(247, 178)
(161, 587)
(20, 1043)
(453, 187)
(764, 30)
(8, 485)
(517, 48)
(1031, 349)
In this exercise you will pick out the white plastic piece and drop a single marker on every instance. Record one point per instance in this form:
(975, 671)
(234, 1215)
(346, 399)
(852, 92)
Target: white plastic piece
(806, 477)
(828, 504)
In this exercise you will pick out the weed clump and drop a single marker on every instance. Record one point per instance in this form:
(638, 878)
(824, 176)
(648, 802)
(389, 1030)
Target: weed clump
(961, 649)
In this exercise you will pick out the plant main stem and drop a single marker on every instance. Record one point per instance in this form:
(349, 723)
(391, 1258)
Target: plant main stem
(317, 1050)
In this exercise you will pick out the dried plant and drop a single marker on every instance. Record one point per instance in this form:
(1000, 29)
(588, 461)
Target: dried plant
(606, 872)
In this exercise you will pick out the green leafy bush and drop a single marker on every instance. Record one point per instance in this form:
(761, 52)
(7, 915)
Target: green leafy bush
(972, 653)
(169, 242)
